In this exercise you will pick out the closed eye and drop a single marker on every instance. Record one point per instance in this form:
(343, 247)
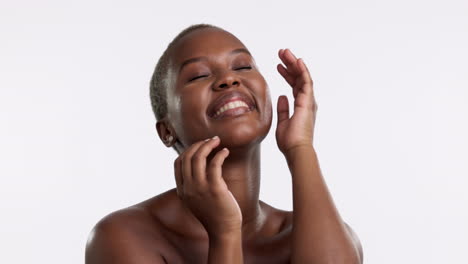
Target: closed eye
(198, 77)
(244, 68)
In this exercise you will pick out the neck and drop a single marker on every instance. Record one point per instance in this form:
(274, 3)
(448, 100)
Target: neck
(241, 172)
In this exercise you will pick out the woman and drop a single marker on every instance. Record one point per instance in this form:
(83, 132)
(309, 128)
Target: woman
(213, 107)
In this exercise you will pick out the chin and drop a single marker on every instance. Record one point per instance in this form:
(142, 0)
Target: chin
(244, 134)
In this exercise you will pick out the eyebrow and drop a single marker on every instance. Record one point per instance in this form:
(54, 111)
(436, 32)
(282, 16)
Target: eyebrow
(196, 59)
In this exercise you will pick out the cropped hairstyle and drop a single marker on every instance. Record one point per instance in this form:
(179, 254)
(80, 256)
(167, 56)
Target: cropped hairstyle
(158, 81)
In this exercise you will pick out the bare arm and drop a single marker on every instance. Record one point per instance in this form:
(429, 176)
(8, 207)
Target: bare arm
(202, 189)
(319, 233)
(226, 249)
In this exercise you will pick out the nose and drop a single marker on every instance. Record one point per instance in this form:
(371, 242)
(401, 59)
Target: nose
(227, 80)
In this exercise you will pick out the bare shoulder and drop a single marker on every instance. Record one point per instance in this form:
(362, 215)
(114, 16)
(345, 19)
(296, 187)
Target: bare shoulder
(129, 235)
(283, 219)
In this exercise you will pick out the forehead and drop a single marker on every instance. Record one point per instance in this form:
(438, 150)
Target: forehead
(204, 42)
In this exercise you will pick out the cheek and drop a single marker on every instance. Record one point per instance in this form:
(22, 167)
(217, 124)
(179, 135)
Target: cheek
(268, 108)
(184, 112)
(262, 94)
(266, 111)
(188, 103)
(192, 99)
(267, 97)
(193, 112)
(263, 91)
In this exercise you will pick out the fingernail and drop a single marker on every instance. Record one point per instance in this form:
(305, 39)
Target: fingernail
(215, 137)
(207, 139)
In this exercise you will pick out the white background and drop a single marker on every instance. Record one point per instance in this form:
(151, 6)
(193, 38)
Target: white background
(77, 137)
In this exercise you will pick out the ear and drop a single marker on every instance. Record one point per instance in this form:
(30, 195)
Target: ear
(166, 132)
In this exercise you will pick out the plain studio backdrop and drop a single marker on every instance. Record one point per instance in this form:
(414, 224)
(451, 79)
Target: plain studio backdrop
(78, 138)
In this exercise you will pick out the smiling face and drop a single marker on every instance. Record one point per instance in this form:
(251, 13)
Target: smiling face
(215, 88)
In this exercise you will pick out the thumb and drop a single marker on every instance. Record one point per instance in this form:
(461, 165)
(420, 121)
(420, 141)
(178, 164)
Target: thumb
(282, 108)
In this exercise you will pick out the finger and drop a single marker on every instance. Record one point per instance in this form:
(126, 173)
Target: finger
(307, 79)
(287, 61)
(290, 61)
(282, 108)
(291, 54)
(305, 71)
(284, 72)
(199, 160)
(281, 53)
(186, 162)
(292, 81)
(178, 177)
(214, 172)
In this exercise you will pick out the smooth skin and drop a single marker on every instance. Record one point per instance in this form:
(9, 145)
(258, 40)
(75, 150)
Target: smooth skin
(214, 214)
(316, 219)
(202, 188)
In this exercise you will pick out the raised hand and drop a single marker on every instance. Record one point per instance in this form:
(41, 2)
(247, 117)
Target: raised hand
(297, 130)
(202, 188)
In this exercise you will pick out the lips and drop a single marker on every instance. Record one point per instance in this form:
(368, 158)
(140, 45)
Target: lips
(229, 97)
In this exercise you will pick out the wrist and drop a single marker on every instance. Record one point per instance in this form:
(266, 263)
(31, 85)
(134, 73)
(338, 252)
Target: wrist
(225, 248)
(292, 152)
(225, 238)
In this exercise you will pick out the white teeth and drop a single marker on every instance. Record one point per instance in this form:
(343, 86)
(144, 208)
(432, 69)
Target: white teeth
(231, 105)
